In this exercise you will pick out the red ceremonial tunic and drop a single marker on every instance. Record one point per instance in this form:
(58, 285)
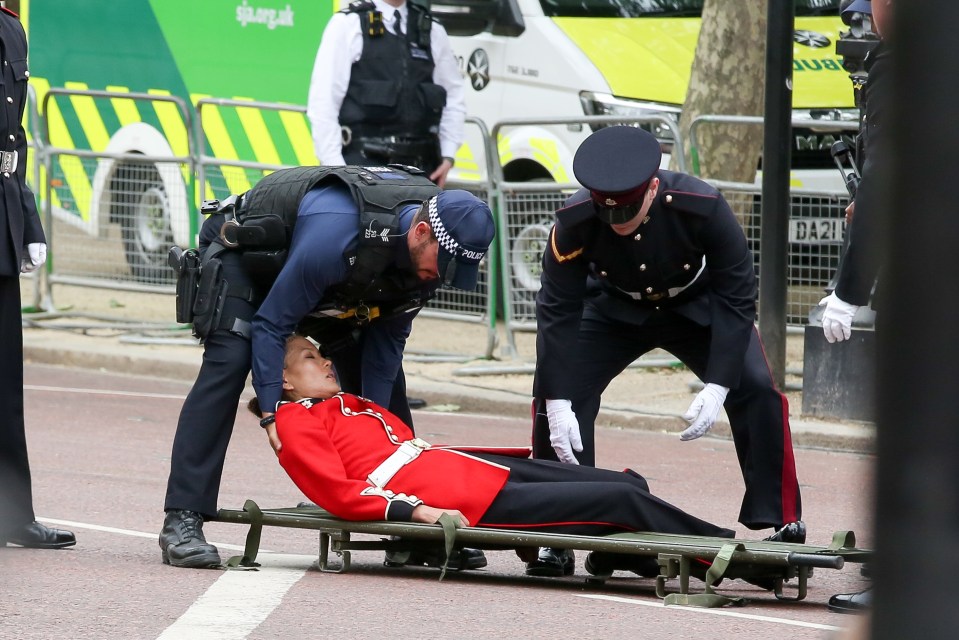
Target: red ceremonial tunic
(330, 447)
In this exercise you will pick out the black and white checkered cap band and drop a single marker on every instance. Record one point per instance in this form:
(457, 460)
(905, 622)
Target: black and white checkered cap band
(442, 235)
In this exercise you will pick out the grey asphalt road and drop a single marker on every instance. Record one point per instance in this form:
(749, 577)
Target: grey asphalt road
(100, 446)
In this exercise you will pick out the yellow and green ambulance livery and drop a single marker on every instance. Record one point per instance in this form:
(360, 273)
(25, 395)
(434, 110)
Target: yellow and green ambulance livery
(247, 50)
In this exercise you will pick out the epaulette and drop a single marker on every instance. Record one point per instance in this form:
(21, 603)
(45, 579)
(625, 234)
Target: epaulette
(701, 204)
(358, 6)
(571, 215)
(7, 11)
(371, 20)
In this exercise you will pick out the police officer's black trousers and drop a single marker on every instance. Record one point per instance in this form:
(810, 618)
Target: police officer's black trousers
(758, 413)
(553, 497)
(209, 411)
(16, 497)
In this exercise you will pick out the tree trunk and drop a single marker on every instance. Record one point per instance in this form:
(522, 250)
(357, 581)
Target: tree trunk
(727, 79)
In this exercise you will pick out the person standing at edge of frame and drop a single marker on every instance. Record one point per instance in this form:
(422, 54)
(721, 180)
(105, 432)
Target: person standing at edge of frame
(861, 261)
(23, 249)
(644, 258)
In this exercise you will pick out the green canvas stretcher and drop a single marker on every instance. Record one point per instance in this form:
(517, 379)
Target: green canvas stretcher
(756, 561)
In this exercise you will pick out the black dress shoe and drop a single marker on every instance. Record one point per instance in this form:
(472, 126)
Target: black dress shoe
(600, 563)
(460, 559)
(794, 532)
(182, 543)
(38, 536)
(552, 563)
(416, 403)
(851, 602)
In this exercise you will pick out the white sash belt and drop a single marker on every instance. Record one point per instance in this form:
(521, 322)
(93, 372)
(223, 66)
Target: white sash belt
(408, 451)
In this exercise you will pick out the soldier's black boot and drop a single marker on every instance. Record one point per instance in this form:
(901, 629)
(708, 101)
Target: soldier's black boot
(552, 563)
(182, 543)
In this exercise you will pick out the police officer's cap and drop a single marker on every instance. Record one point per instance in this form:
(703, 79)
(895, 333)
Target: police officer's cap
(616, 165)
(464, 228)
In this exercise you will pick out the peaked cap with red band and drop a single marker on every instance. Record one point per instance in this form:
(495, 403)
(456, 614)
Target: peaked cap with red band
(616, 164)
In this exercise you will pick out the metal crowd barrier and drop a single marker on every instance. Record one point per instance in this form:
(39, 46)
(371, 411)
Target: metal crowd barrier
(34, 149)
(111, 217)
(816, 217)
(119, 240)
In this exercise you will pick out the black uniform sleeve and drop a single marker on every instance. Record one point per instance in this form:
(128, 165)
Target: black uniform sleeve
(559, 308)
(732, 294)
(861, 261)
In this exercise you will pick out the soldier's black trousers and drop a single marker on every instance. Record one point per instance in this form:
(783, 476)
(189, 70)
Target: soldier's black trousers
(553, 497)
(758, 413)
(16, 495)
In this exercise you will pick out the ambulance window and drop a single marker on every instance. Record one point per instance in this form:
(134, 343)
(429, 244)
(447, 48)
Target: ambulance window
(660, 8)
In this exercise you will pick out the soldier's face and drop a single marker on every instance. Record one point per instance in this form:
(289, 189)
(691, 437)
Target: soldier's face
(306, 373)
(628, 227)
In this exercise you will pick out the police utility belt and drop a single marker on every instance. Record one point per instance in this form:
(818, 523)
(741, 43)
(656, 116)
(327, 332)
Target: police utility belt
(672, 292)
(407, 453)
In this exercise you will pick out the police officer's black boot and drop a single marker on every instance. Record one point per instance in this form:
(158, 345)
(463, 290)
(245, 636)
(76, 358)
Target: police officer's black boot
(182, 543)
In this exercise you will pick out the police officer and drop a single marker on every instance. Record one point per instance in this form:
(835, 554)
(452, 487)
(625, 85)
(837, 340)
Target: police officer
(441, 241)
(22, 250)
(639, 259)
(386, 88)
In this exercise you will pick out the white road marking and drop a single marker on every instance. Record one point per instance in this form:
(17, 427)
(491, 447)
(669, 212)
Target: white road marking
(130, 532)
(715, 612)
(103, 392)
(239, 601)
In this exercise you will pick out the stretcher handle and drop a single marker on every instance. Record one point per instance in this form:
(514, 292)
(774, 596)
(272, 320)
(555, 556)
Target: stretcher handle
(815, 560)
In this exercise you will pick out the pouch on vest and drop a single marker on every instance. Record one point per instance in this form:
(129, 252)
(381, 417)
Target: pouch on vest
(210, 298)
(186, 264)
(263, 266)
(267, 232)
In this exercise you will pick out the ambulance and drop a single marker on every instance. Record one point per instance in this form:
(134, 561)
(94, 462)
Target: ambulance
(541, 59)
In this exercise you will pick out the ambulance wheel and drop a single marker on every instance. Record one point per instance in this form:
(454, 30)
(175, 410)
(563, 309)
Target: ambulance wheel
(143, 211)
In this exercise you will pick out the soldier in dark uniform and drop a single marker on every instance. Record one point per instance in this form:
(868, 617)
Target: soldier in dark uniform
(443, 243)
(22, 250)
(640, 259)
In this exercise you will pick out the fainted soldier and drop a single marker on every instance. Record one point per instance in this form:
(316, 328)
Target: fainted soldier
(386, 88)
(354, 252)
(360, 462)
(644, 258)
(861, 261)
(23, 249)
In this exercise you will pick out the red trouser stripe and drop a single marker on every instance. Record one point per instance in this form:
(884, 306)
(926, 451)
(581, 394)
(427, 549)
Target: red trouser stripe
(790, 482)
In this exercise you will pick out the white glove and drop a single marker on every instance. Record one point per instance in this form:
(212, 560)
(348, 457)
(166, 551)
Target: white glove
(36, 256)
(837, 318)
(563, 430)
(703, 411)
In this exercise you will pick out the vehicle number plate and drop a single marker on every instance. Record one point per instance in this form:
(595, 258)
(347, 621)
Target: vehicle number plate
(816, 230)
